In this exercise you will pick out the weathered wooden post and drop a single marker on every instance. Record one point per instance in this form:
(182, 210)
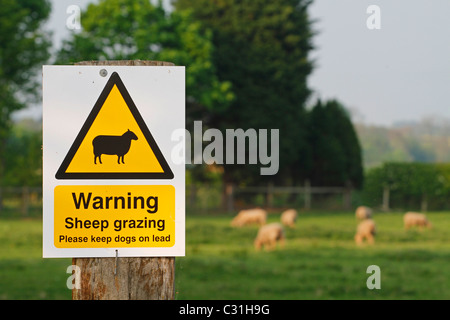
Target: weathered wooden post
(307, 195)
(424, 203)
(125, 278)
(229, 191)
(25, 200)
(385, 204)
(347, 195)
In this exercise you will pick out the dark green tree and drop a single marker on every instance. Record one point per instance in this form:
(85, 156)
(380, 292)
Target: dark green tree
(24, 46)
(262, 48)
(336, 151)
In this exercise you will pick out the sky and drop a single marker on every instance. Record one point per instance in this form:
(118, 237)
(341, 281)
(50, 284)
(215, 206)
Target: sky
(397, 73)
(400, 72)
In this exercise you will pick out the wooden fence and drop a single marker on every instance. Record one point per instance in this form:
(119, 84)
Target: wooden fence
(20, 201)
(27, 201)
(232, 197)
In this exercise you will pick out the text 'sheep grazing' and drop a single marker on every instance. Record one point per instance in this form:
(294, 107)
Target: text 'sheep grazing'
(149, 203)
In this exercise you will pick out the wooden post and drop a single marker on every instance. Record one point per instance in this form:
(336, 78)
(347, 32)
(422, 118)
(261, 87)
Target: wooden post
(193, 196)
(125, 278)
(385, 205)
(230, 196)
(307, 195)
(25, 203)
(424, 203)
(347, 196)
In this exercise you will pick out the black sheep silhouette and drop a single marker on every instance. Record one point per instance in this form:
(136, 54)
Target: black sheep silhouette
(113, 145)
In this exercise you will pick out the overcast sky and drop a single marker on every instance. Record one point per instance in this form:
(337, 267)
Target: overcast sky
(400, 72)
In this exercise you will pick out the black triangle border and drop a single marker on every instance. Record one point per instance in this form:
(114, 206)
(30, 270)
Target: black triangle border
(167, 173)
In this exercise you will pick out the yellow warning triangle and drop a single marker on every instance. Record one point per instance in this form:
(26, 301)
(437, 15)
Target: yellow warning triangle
(114, 142)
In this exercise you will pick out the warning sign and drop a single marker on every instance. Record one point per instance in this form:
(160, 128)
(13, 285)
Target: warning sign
(111, 186)
(114, 132)
(114, 216)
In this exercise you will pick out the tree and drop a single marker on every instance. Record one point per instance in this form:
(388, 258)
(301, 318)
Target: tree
(336, 151)
(137, 29)
(262, 48)
(24, 46)
(23, 166)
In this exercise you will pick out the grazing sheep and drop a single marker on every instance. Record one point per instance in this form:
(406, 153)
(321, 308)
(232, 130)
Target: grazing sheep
(113, 145)
(250, 216)
(363, 212)
(268, 236)
(289, 217)
(366, 229)
(411, 219)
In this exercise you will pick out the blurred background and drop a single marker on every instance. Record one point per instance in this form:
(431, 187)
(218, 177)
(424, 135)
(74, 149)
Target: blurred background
(363, 117)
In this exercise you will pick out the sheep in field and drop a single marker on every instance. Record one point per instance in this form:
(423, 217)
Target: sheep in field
(113, 145)
(363, 212)
(365, 230)
(289, 217)
(415, 219)
(268, 236)
(250, 216)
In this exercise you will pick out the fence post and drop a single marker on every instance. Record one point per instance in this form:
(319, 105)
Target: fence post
(269, 195)
(229, 191)
(193, 196)
(424, 203)
(347, 198)
(25, 200)
(385, 205)
(150, 278)
(307, 194)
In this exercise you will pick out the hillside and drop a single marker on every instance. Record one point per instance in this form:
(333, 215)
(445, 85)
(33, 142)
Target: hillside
(425, 141)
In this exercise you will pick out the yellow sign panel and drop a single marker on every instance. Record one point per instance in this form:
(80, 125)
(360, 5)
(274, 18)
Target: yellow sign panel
(114, 142)
(114, 216)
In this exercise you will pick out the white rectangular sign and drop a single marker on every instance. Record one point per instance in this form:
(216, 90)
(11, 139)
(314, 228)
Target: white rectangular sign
(110, 185)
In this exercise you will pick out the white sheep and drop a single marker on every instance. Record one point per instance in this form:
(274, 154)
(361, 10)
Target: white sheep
(269, 235)
(415, 219)
(250, 216)
(365, 230)
(363, 212)
(289, 217)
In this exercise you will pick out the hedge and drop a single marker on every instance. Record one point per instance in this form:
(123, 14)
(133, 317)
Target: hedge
(411, 185)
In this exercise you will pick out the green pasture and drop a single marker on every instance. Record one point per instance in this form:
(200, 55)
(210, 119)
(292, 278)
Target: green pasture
(319, 260)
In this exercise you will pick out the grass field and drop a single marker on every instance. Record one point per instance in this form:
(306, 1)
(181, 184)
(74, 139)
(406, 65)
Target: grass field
(319, 261)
